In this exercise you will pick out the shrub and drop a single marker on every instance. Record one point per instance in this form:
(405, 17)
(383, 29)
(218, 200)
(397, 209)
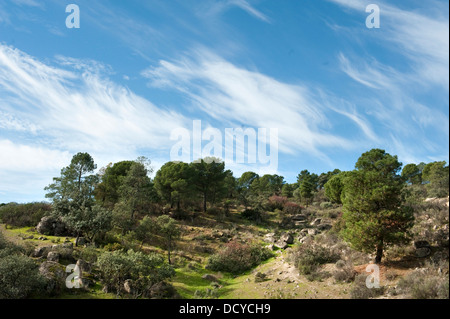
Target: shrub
(361, 291)
(344, 271)
(236, 258)
(291, 208)
(326, 205)
(276, 202)
(143, 271)
(24, 215)
(426, 284)
(252, 214)
(308, 258)
(19, 275)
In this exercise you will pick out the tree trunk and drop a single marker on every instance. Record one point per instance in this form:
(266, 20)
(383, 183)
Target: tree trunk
(168, 251)
(76, 240)
(379, 255)
(204, 203)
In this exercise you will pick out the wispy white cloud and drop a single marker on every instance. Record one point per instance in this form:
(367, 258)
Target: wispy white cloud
(392, 94)
(420, 36)
(216, 8)
(72, 110)
(237, 96)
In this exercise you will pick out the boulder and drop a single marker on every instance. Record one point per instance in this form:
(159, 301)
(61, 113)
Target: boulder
(281, 244)
(312, 231)
(287, 238)
(55, 276)
(53, 256)
(51, 226)
(41, 251)
(316, 222)
(210, 277)
(323, 227)
(299, 218)
(305, 240)
(163, 290)
(84, 266)
(128, 286)
(270, 238)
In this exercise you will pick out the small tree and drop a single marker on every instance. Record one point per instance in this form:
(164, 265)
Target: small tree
(436, 174)
(167, 227)
(334, 187)
(373, 212)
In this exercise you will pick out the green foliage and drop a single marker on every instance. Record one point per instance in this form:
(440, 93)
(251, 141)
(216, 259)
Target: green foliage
(171, 183)
(24, 215)
(244, 190)
(287, 190)
(268, 185)
(237, 258)
(325, 177)
(412, 173)
(167, 228)
(208, 179)
(142, 270)
(73, 198)
(436, 175)
(308, 184)
(308, 258)
(107, 191)
(371, 198)
(19, 275)
(252, 214)
(334, 187)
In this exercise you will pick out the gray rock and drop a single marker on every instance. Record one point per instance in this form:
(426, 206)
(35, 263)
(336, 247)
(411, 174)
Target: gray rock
(312, 232)
(299, 218)
(55, 276)
(316, 222)
(287, 238)
(128, 286)
(323, 227)
(41, 251)
(51, 226)
(270, 238)
(53, 256)
(281, 244)
(84, 266)
(210, 277)
(423, 252)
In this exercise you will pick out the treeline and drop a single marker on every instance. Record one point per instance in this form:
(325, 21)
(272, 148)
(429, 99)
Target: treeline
(120, 195)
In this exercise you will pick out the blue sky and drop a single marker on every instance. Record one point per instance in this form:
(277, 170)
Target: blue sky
(136, 70)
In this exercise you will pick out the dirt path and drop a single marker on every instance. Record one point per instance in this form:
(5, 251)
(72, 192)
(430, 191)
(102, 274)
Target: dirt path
(284, 282)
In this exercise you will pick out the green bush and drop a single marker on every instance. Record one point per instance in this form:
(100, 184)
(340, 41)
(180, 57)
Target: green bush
(236, 258)
(19, 275)
(252, 214)
(326, 205)
(24, 215)
(309, 257)
(143, 271)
